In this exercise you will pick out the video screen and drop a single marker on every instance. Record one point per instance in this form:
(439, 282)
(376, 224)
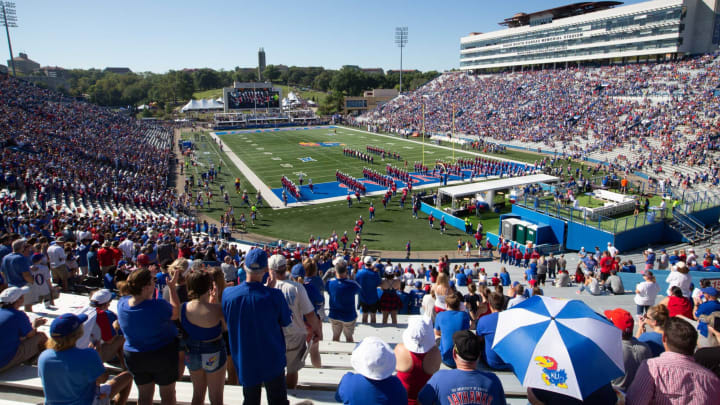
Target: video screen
(247, 99)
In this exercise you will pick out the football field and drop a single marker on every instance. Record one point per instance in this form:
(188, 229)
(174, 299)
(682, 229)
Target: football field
(318, 152)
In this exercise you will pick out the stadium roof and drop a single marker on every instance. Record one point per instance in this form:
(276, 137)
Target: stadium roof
(481, 187)
(570, 10)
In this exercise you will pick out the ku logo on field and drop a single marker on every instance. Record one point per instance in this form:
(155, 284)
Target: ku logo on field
(551, 375)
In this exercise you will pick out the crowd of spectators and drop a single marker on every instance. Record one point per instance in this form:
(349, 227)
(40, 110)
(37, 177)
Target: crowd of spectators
(57, 146)
(664, 112)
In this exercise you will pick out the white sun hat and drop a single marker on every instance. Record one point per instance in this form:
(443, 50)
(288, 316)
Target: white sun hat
(373, 359)
(419, 336)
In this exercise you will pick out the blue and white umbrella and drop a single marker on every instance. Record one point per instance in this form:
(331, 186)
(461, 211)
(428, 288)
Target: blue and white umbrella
(559, 345)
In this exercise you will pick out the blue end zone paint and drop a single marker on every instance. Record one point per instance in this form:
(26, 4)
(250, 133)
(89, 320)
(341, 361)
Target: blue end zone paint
(630, 280)
(335, 189)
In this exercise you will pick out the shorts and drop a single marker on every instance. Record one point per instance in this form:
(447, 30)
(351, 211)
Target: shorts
(295, 351)
(206, 356)
(370, 308)
(347, 328)
(60, 273)
(158, 366)
(604, 276)
(28, 349)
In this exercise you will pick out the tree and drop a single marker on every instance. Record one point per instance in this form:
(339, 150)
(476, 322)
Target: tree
(322, 81)
(271, 73)
(332, 104)
(206, 79)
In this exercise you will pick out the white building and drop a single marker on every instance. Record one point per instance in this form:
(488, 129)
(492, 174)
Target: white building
(602, 32)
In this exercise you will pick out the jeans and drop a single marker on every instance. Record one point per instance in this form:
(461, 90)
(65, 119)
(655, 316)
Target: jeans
(642, 309)
(275, 389)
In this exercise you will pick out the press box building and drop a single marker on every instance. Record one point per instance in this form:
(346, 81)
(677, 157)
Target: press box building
(598, 32)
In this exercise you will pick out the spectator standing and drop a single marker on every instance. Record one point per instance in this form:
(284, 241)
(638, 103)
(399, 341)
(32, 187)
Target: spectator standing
(205, 354)
(259, 357)
(151, 346)
(679, 277)
(373, 381)
(57, 260)
(674, 377)
(369, 281)
(301, 307)
(646, 292)
(417, 357)
(447, 323)
(19, 341)
(72, 375)
(342, 292)
(466, 381)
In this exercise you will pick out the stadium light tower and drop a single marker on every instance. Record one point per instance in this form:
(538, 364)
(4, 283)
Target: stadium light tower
(401, 39)
(8, 18)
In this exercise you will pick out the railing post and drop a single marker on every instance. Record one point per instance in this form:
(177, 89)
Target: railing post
(626, 221)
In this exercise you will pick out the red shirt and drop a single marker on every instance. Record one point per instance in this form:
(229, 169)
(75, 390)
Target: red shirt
(105, 257)
(680, 306)
(414, 379)
(606, 264)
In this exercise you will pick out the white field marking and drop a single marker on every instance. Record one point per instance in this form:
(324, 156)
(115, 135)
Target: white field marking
(434, 146)
(286, 165)
(268, 153)
(260, 148)
(275, 157)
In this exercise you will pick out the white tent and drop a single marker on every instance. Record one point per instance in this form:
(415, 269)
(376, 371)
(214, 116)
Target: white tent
(489, 187)
(204, 104)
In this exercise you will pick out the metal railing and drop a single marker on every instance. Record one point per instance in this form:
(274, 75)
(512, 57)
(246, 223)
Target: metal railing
(581, 216)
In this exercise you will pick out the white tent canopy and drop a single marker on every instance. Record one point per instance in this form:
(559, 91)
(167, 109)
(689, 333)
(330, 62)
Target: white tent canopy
(473, 189)
(204, 104)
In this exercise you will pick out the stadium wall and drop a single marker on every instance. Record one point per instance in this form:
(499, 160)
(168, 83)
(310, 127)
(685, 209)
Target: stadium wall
(708, 216)
(630, 280)
(449, 219)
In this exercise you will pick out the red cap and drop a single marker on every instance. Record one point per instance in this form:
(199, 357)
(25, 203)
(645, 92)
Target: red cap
(532, 282)
(621, 318)
(143, 260)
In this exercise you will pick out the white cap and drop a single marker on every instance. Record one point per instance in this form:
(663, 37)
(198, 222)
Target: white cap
(368, 259)
(101, 297)
(339, 260)
(373, 359)
(650, 250)
(85, 236)
(276, 262)
(419, 336)
(12, 294)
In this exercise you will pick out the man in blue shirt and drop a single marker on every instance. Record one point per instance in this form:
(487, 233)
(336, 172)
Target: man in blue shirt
(369, 281)
(5, 246)
(16, 266)
(416, 298)
(486, 326)
(19, 341)
(342, 293)
(709, 306)
(466, 384)
(255, 315)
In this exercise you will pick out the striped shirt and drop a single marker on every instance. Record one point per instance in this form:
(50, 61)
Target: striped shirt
(673, 378)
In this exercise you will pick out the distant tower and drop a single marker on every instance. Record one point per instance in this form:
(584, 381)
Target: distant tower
(261, 62)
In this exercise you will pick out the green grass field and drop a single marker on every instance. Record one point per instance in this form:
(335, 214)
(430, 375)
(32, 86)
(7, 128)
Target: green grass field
(274, 154)
(390, 231)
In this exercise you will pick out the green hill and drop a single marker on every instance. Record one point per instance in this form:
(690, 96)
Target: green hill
(317, 96)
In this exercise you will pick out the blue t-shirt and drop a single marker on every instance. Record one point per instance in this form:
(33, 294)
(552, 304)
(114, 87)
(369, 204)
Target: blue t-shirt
(255, 316)
(449, 322)
(505, 279)
(369, 281)
(706, 308)
(415, 301)
(316, 298)
(13, 266)
(355, 389)
(14, 325)
(146, 326)
(530, 274)
(654, 342)
(404, 299)
(342, 299)
(160, 283)
(82, 255)
(4, 251)
(486, 326)
(462, 387)
(68, 377)
(241, 275)
(461, 279)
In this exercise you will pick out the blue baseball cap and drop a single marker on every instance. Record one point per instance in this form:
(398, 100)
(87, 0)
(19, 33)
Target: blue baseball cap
(256, 260)
(418, 284)
(66, 324)
(298, 270)
(710, 291)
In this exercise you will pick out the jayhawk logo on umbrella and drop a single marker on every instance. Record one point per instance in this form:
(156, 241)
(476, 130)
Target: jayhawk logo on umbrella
(551, 375)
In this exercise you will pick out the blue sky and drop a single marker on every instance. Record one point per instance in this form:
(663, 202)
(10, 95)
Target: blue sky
(159, 35)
